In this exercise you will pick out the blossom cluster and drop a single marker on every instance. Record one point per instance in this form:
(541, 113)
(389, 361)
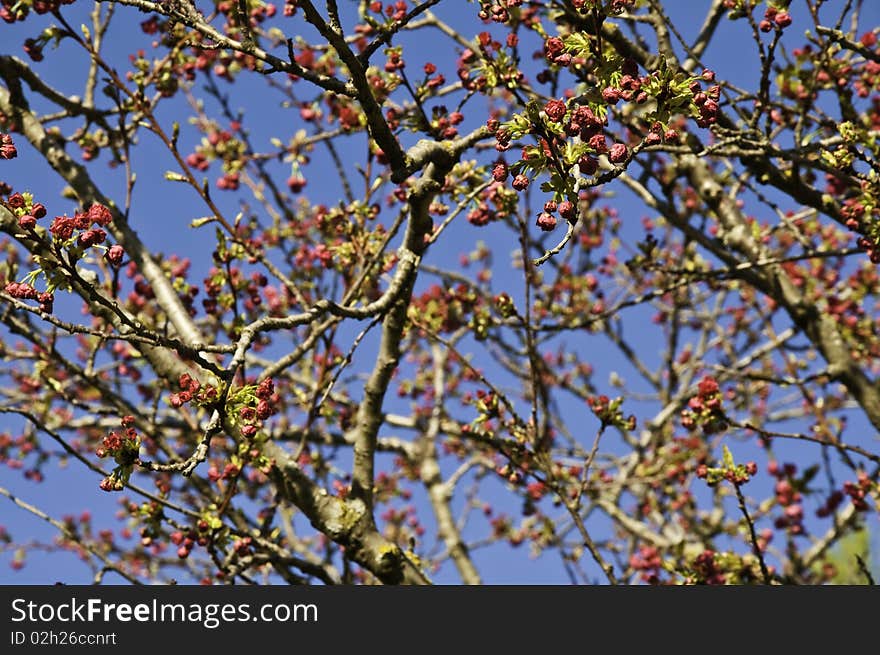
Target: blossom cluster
(123, 448)
(705, 409)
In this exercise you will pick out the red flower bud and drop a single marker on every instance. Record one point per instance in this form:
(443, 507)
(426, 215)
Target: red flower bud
(566, 210)
(546, 221)
(610, 95)
(116, 254)
(7, 147)
(100, 214)
(782, 19)
(265, 389)
(264, 410)
(27, 222)
(499, 172)
(618, 153)
(555, 110)
(587, 164)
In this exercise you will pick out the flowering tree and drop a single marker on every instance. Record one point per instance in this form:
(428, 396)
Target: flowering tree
(482, 276)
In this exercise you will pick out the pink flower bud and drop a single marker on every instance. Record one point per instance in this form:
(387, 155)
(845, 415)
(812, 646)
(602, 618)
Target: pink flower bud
(546, 221)
(555, 110)
(116, 254)
(618, 153)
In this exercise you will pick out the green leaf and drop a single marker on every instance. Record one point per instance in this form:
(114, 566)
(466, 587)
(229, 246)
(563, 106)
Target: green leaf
(728, 458)
(809, 474)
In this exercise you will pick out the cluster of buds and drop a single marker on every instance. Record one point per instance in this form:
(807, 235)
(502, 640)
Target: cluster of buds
(504, 305)
(546, 219)
(658, 134)
(736, 474)
(536, 490)
(242, 547)
(608, 411)
(395, 12)
(706, 101)
(555, 110)
(584, 122)
(497, 11)
(437, 80)
(510, 473)
(863, 221)
(229, 471)
(555, 52)
(858, 491)
(648, 562)
(201, 535)
(706, 569)
(91, 221)
(24, 291)
(254, 415)
(502, 138)
(184, 543)
(487, 404)
(228, 182)
(191, 389)
(704, 410)
(443, 122)
(11, 11)
(7, 147)
(789, 497)
(123, 448)
(629, 87)
(774, 17)
(27, 211)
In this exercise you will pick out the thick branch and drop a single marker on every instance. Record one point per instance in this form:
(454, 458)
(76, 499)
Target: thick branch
(369, 417)
(441, 492)
(347, 521)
